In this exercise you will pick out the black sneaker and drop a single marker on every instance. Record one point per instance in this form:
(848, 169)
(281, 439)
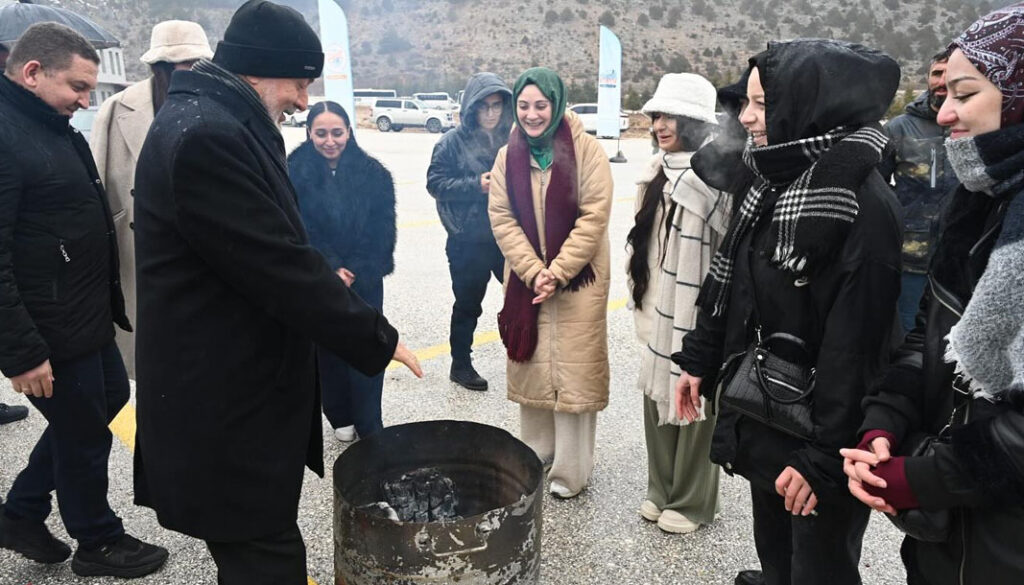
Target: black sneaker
(750, 578)
(125, 557)
(464, 375)
(31, 540)
(9, 414)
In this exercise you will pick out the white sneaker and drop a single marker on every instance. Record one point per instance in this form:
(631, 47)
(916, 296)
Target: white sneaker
(345, 434)
(650, 511)
(675, 523)
(559, 490)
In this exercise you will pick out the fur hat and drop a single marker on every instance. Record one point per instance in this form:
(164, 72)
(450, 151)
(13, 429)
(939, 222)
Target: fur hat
(177, 41)
(265, 39)
(684, 94)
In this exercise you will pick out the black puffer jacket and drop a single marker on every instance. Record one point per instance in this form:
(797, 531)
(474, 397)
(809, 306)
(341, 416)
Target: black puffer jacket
(846, 313)
(59, 287)
(980, 473)
(350, 216)
(461, 156)
(923, 176)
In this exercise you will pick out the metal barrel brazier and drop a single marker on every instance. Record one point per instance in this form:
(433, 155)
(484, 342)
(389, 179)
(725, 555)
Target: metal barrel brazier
(495, 540)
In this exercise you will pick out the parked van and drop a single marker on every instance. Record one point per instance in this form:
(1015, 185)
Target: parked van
(366, 97)
(437, 99)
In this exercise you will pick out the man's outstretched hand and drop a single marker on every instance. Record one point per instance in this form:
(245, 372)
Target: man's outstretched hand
(408, 358)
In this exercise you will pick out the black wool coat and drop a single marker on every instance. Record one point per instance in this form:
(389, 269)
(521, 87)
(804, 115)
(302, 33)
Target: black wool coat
(350, 215)
(59, 287)
(231, 298)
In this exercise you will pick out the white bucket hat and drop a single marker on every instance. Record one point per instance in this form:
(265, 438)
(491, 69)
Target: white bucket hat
(177, 41)
(684, 94)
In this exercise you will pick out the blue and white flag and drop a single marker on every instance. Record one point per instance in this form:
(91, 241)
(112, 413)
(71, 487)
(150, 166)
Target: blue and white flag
(337, 66)
(609, 84)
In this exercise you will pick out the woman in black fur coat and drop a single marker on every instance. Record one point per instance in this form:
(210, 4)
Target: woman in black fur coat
(347, 200)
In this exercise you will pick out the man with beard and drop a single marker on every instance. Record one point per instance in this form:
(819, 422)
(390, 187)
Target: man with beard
(231, 298)
(923, 179)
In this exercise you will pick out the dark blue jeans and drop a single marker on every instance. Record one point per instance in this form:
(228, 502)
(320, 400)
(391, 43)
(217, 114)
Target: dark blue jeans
(911, 290)
(72, 453)
(349, 396)
(470, 265)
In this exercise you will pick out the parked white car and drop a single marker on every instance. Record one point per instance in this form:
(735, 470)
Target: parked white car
(396, 114)
(82, 120)
(588, 115)
(299, 118)
(437, 99)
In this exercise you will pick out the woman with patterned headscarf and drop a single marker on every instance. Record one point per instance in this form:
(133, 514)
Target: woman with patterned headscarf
(550, 202)
(972, 316)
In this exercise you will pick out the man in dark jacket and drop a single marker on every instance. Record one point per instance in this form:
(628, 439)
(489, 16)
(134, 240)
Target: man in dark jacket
(231, 300)
(9, 414)
(459, 179)
(924, 180)
(59, 299)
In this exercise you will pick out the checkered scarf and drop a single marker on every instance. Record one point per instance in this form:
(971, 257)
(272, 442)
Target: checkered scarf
(819, 178)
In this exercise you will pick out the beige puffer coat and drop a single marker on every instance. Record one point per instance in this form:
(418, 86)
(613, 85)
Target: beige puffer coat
(569, 369)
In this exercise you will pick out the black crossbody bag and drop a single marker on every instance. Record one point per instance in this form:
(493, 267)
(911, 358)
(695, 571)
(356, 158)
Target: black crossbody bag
(765, 387)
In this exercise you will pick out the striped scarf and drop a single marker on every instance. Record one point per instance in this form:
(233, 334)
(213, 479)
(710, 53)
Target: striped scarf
(819, 178)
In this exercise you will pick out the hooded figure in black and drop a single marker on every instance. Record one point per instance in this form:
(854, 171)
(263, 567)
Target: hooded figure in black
(347, 200)
(459, 179)
(813, 252)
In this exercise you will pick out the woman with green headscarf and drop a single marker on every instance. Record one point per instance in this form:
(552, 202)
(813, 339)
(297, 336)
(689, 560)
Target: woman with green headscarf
(550, 201)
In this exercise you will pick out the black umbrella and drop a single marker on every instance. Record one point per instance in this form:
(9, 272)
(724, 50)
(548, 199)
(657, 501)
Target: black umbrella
(15, 17)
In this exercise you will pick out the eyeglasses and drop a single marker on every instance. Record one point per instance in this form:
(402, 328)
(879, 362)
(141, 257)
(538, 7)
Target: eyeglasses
(494, 108)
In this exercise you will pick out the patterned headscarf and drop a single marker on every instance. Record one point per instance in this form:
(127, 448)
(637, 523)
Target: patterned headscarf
(995, 45)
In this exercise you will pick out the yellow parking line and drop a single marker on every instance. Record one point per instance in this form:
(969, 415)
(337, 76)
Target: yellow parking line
(485, 338)
(123, 425)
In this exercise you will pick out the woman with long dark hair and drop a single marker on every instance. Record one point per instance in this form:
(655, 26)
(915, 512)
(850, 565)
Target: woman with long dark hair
(679, 223)
(550, 202)
(347, 200)
(959, 375)
(811, 264)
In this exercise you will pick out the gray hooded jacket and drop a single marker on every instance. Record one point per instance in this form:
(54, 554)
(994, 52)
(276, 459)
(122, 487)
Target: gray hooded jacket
(461, 156)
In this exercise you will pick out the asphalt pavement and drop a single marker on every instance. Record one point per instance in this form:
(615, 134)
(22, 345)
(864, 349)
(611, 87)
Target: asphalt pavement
(598, 537)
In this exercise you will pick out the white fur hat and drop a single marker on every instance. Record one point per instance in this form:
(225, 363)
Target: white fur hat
(684, 94)
(177, 41)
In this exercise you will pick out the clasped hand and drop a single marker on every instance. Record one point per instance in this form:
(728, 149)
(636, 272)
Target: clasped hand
(857, 464)
(544, 286)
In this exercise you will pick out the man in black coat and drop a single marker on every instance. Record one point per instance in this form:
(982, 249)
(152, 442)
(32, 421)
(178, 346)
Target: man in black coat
(60, 296)
(231, 300)
(9, 414)
(459, 178)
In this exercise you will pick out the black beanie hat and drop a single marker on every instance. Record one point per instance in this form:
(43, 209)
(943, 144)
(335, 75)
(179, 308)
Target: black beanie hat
(265, 39)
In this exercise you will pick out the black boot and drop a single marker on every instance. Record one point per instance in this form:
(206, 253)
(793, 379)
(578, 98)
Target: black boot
(749, 578)
(31, 540)
(464, 375)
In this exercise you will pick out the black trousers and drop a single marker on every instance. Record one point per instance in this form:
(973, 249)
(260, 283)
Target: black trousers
(799, 550)
(470, 265)
(278, 559)
(72, 453)
(350, 397)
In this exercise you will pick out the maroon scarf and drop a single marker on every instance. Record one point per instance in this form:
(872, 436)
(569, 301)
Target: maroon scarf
(517, 321)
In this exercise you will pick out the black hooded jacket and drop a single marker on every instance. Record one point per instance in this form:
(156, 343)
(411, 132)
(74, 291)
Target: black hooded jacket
(60, 290)
(847, 311)
(460, 157)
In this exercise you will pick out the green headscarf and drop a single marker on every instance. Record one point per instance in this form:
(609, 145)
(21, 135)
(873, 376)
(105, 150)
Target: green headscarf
(549, 84)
